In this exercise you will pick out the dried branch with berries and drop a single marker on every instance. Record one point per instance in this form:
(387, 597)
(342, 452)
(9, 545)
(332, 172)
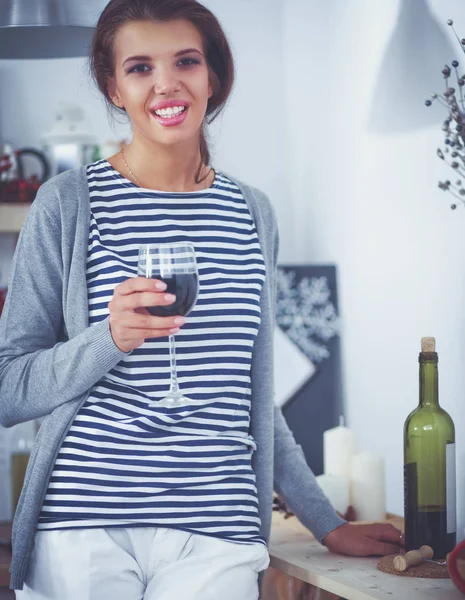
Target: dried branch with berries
(453, 153)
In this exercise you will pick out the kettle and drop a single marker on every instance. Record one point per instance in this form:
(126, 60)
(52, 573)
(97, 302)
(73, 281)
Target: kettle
(69, 143)
(14, 186)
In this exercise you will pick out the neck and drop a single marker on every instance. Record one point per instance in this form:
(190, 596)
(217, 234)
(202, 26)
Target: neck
(172, 169)
(429, 383)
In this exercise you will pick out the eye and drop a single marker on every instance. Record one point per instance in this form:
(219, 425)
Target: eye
(139, 68)
(188, 62)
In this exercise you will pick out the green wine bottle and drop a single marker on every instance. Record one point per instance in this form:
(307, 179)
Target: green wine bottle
(429, 465)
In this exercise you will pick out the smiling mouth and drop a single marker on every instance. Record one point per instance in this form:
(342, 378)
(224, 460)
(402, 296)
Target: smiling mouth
(170, 113)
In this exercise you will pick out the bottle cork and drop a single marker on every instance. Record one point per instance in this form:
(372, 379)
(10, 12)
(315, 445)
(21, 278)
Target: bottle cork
(428, 344)
(412, 558)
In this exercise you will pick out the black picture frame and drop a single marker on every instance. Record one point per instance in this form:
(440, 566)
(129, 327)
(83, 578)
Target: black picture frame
(317, 404)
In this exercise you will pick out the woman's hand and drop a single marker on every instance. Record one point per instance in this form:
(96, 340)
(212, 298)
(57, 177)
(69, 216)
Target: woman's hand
(130, 323)
(377, 539)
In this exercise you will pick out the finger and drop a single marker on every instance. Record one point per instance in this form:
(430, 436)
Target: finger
(139, 335)
(148, 322)
(149, 334)
(139, 284)
(386, 533)
(145, 299)
(378, 548)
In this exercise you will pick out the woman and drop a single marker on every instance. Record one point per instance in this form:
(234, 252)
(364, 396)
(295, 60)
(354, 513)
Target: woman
(122, 499)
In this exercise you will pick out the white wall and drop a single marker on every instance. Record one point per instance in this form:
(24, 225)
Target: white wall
(370, 203)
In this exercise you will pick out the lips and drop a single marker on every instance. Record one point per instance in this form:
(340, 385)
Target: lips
(169, 119)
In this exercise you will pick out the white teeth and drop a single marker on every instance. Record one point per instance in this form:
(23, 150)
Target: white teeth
(168, 113)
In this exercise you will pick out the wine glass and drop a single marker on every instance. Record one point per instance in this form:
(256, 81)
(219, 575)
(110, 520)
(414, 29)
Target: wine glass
(176, 265)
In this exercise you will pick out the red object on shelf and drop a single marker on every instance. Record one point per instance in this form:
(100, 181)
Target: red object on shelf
(14, 185)
(19, 190)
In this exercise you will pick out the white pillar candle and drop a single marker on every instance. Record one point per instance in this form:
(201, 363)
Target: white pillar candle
(336, 489)
(368, 487)
(339, 445)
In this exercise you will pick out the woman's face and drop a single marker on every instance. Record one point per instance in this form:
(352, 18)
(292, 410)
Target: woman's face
(161, 79)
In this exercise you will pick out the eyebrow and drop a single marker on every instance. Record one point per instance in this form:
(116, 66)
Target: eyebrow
(180, 53)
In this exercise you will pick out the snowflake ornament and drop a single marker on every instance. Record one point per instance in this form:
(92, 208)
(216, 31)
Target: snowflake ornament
(306, 314)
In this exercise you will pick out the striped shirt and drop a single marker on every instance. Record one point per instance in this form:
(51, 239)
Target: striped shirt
(123, 462)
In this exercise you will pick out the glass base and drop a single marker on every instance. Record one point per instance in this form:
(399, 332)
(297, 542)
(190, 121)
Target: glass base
(172, 401)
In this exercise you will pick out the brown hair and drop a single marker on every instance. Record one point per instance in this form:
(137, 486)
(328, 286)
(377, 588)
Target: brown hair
(217, 50)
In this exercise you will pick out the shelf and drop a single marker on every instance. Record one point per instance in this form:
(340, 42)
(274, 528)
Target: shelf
(12, 216)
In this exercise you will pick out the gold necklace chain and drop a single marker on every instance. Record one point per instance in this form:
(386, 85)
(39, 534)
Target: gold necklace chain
(129, 168)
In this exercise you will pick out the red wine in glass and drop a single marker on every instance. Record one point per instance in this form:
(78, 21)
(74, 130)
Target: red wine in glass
(185, 287)
(176, 265)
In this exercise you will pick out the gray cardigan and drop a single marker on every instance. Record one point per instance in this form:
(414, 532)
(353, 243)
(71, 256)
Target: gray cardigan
(50, 359)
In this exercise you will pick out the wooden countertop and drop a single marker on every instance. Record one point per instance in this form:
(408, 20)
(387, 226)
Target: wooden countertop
(295, 551)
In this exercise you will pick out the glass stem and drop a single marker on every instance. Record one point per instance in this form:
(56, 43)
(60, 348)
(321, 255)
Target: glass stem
(174, 387)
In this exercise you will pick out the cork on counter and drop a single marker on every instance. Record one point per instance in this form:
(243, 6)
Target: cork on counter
(427, 570)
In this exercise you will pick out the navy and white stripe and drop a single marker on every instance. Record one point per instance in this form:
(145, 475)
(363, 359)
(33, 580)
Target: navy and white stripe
(124, 462)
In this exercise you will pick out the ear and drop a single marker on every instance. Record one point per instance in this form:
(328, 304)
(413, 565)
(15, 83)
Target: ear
(214, 86)
(113, 92)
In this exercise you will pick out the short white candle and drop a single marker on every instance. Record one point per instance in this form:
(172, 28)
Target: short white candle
(336, 489)
(368, 487)
(339, 445)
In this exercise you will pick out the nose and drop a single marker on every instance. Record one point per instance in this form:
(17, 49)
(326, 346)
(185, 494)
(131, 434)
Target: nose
(166, 81)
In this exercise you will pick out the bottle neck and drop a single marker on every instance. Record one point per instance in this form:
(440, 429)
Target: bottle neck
(429, 382)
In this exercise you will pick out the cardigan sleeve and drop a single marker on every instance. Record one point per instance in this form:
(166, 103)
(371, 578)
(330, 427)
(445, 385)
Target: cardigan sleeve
(294, 480)
(40, 369)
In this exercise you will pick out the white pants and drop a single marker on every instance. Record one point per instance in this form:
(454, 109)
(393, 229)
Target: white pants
(141, 563)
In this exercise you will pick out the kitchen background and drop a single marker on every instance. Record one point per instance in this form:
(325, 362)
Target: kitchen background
(329, 119)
